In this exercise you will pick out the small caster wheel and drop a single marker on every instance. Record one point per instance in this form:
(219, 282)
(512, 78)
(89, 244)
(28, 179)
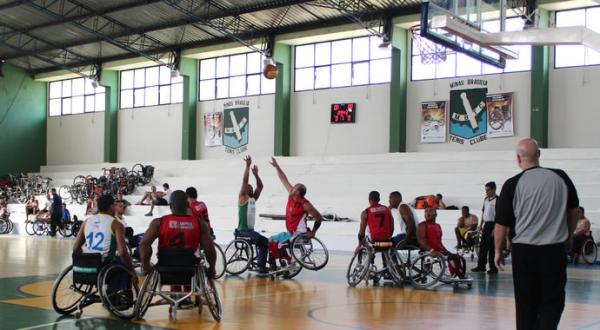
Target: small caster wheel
(469, 285)
(78, 315)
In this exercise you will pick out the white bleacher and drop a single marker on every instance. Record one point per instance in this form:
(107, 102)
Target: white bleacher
(340, 185)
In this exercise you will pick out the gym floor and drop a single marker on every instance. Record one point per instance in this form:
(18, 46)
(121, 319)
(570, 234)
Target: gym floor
(315, 300)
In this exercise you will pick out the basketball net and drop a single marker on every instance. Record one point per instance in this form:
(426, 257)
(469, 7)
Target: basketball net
(430, 52)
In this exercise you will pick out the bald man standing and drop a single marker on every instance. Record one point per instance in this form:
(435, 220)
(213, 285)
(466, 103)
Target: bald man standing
(540, 206)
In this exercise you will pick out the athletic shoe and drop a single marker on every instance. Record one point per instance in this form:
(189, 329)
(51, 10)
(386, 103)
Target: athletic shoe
(149, 214)
(478, 270)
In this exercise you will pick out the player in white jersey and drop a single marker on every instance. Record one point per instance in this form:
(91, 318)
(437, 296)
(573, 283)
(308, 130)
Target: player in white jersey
(405, 219)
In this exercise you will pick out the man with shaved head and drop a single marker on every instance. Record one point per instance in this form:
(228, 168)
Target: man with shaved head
(540, 206)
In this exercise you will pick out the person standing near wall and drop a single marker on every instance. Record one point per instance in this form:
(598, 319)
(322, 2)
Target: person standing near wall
(540, 206)
(488, 214)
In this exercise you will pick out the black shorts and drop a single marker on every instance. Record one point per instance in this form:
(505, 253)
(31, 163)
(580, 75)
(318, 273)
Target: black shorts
(161, 201)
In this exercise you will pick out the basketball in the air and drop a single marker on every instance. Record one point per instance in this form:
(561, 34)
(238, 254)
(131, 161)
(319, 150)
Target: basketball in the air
(270, 71)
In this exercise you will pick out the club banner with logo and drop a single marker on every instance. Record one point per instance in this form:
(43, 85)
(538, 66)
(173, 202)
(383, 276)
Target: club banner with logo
(500, 115)
(237, 125)
(468, 115)
(433, 122)
(213, 129)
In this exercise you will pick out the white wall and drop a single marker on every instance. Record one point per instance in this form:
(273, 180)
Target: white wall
(262, 127)
(75, 139)
(438, 90)
(312, 134)
(150, 133)
(574, 108)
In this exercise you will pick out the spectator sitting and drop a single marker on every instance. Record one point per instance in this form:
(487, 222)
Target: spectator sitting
(44, 214)
(66, 216)
(441, 204)
(582, 232)
(423, 202)
(157, 197)
(467, 222)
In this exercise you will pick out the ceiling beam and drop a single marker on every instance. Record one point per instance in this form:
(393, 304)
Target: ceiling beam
(392, 12)
(213, 15)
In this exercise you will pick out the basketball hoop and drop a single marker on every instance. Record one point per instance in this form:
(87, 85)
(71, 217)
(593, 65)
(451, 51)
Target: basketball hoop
(430, 52)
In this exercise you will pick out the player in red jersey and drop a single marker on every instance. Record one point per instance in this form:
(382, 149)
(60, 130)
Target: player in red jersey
(297, 210)
(178, 230)
(198, 209)
(379, 220)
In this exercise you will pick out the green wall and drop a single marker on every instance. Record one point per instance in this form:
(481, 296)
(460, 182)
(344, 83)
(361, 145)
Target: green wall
(22, 121)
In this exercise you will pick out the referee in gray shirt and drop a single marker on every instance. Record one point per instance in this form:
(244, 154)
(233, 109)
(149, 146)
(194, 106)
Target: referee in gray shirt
(539, 205)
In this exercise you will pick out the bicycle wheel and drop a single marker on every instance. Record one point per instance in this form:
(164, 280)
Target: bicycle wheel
(119, 300)
(358, 267)
(211, 295)
(310, 252)
(65, 294)
(30, 228)
(428, 272)
(220, 264)
(238, 257)
(146, 294)
(65, 193)
(589, 251)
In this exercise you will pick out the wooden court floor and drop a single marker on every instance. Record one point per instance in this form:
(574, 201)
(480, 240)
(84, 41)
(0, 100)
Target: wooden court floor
(314, 300)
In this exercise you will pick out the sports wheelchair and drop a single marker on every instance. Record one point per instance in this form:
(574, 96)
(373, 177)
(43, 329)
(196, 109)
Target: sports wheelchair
(430, 269)
(362, 265)
(241, 254)
(587, 250)
(179, 267)
(471, 245)
(89, 280)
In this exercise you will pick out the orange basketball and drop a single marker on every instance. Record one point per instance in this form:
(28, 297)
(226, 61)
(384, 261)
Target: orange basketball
(270, 71)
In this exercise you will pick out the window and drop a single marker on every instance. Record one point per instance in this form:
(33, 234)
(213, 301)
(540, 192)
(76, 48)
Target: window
(577, 55)
(233, 76)
(459, 65)
(74, 96)
(150, 86)
(341, 63)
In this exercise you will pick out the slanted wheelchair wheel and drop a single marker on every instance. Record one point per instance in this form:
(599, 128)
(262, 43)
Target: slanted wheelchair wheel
(220, 264)
(40, 228)
(427, 271)
(359, 267)
(394, 265)
(310, 252)
(238, 256)
(589, 252)
(145, 296)
(118, 291)
(66, 230)
(4, 226)
(292, 272)
(211, 295)
(65, 294)
(29, 228)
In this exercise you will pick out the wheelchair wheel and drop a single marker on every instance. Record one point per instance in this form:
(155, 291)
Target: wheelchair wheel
(395, 266)
(40, 228)
(65, 294)
(589, 251)
(220, 264)
(428, 271)
(121, 301)
(145, 296)
(310, 252)
(238, 256)
(211, 295)
(66, 230)
(290, 273)
(29, 228)
(4, 226)
(359, 267)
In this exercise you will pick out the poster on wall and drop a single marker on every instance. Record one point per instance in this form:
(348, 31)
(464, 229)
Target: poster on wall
(213, 129)
(237, 125)
(500, 115)
(468, 113)
(433, 122)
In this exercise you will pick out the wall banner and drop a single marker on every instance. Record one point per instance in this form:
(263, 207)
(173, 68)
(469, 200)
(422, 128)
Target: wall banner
(213, 129)
(237, 125)
(500, 115)
(433, 122)
(468, 112)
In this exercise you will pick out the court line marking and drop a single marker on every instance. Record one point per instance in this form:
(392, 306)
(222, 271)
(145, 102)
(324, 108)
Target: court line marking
(55, 323)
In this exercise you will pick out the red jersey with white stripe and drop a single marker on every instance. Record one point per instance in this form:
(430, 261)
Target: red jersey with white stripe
(200, 211)
(379, 220)
(433, 233)
(179, 232)
(295, 216)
